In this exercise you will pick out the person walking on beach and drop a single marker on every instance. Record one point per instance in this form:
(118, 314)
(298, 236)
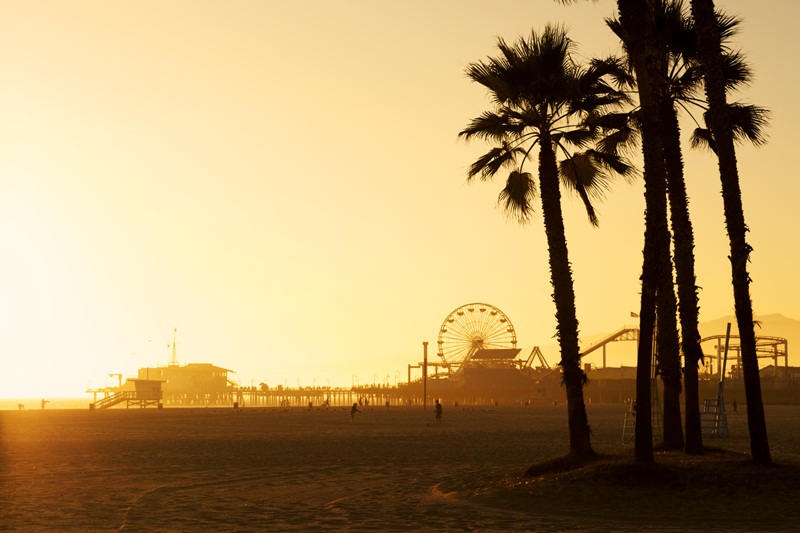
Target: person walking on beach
(438, 409)
(353, 411)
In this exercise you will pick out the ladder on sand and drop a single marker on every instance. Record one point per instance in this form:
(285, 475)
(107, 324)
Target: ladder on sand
(656, 417)
(713, 420)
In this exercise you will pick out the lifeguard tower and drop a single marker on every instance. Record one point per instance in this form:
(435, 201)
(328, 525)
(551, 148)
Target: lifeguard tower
(139, 392)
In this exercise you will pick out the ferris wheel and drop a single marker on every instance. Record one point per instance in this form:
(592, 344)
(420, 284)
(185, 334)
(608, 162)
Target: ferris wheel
(472, 327)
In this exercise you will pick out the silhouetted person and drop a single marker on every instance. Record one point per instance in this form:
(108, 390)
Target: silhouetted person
(43, 403)
(438, 409)
(735, 407)
(353, 411)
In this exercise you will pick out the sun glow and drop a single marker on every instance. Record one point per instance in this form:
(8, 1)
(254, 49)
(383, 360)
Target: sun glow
(284, 185)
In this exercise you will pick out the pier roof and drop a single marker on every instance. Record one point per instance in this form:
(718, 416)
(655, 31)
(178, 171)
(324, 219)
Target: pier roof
(496, 353)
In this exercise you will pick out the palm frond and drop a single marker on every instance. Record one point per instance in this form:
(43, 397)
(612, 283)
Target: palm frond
(575, 137)
(529, 117)
(610, 121)
(749, 122)
(612, 163)
(518, 196)
(588, 175)
(618, 69)
(489, 164)
(736, 71)
(619, 141)
(686, 84)
(622, 132)
(491, 127)
(728, 26)
(493, 76)
(605, 98)
(703, 139)
(481, 73)
(616, 28)
(580, 174)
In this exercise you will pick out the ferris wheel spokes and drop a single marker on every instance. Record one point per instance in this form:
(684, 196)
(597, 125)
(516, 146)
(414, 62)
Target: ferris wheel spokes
(470, 328)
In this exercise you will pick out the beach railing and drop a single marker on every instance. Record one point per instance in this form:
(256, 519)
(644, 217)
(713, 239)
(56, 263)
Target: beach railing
(114, 399)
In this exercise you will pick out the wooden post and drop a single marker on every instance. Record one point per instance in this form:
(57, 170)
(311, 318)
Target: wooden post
(425, 375)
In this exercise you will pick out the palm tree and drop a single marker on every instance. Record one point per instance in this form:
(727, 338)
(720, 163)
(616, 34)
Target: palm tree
(710, 55)
(542, 98)
(679, 43)
(671, 28)
(682, 80)
(646, 58)
(748, 122)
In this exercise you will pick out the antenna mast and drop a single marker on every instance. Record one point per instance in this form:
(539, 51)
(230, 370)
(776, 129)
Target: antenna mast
(174, 360)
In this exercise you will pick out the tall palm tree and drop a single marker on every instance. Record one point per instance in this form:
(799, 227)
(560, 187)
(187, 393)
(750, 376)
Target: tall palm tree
(748, 122)
(682, 80)
(671, 28)
(710, 55)
(647, 59)
(679, 44)
(543, 99)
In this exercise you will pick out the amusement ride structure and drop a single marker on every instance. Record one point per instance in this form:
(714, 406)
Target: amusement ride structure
(476, 333)
(478, 362)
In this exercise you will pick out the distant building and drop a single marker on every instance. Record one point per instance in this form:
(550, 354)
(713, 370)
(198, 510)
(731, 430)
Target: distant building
(610, 384)
(785, 374)
(612, 373)
(192, 384)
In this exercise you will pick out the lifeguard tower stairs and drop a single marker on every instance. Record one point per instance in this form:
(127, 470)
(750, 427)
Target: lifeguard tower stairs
(146, 392)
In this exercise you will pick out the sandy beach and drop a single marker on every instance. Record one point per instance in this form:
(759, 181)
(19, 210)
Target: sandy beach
(220, 469)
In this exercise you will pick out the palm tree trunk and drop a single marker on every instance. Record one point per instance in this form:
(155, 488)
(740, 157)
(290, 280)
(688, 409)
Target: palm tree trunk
(635, 19)
(669, 356)
(719, 121)
(643, 433)
(564, 297)
(688, 306)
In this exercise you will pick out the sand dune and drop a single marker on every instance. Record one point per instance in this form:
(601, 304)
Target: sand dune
(270, 470)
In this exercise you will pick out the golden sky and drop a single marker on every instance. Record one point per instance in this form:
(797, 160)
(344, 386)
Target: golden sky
(282, 182)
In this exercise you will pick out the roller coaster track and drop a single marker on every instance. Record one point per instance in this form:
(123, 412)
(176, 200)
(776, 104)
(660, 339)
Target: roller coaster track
(626, 333)
(769, 346)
